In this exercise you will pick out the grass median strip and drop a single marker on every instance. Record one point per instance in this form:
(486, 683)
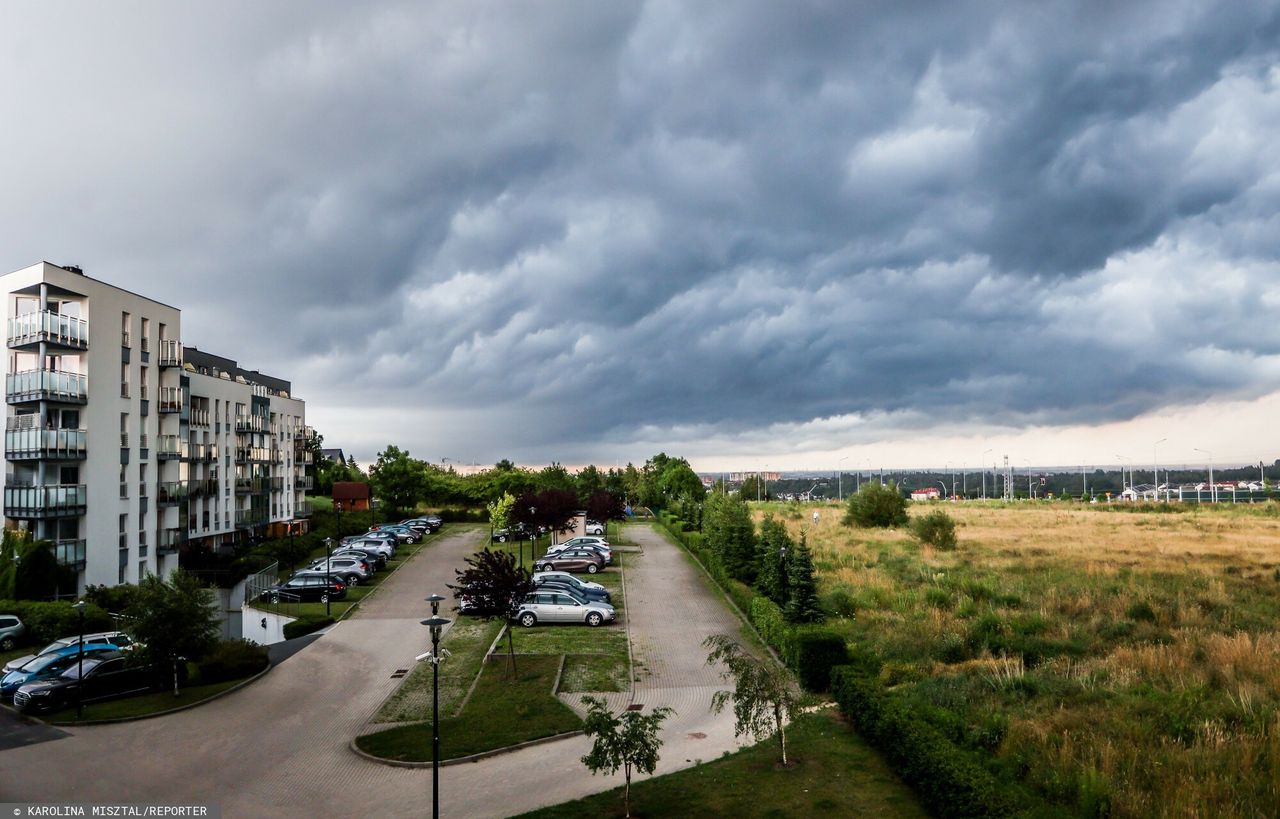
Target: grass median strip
(503, 711)
(467, 640)
(143, 705)
(835, 774)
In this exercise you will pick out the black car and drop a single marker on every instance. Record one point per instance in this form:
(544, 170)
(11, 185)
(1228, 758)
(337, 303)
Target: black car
(308, 588)
(582, 592)
(106, 675)
(517, 532)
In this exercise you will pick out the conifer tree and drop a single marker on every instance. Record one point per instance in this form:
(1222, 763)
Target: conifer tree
(803, 605)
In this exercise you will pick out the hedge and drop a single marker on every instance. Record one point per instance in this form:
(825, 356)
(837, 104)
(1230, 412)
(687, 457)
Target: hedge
(812, 651)
(47, 621)
(768, 619)
(305, 625)
(232, 660)
(945, 778)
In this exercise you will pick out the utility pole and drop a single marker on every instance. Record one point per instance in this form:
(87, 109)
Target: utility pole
(983, 462)
(1008, 480)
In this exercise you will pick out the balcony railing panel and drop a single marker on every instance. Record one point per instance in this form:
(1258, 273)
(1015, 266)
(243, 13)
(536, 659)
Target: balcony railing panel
(251, 423)
(170, 399)
(170, 353)
(49, 501)
(302, 482)
(302, 510)
(46, 385)
(24, 444)
(169, 447)
(171, 493)
(70, 553)
(168, 540)
(49, 327)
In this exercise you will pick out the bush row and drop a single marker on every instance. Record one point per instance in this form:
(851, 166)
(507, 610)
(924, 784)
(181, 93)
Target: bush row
(945, 778)
(232, 660)
(47, 621)
(810, 651)
(305, 625)
(464, 515)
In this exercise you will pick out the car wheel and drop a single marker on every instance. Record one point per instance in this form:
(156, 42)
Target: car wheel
(592, 568)
(353, 580)
(7, 643)
(502, 538)
(324, 598)
(275, 598)
(594, 619)
(528, 620)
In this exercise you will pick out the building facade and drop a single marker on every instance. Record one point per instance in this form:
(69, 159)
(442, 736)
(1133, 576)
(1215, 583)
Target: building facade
(129, 451)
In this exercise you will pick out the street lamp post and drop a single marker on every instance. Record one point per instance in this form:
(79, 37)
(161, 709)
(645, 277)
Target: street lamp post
(983, 461)
(533, 538)
(79, 607)
(840, 491)
(1123, 463)
(436, 623)
(1155, 469)
(328, 566)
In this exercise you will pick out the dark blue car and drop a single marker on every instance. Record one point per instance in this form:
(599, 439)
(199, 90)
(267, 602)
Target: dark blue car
(48, 666)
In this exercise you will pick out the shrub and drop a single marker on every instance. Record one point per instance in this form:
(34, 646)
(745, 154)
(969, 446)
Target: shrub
(305, 625)
(47, 621)
(1141, 611)
(840, 602)
(947, 779)
(812, 651)
(111, 598)
(768, 619)
(875, 505)
(463, 515)
(232, 660)
(936, 529)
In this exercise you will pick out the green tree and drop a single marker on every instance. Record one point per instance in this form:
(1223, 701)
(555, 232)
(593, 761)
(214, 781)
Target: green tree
(174, 620)
(556, 476)
(589, 481)
(493, 587)
(729, 533)
(937, 529)
(398, 479)
(876, 505)
(802, 598)
(763, 695)
(500, 510)
(771, 559)
(628, 740)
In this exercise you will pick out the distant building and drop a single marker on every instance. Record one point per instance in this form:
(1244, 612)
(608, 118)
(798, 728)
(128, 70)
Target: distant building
(928, 493)
(351, 496)
(334, 455)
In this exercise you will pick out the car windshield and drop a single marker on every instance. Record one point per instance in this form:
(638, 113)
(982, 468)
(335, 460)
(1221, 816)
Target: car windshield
(73, 670)
(56, 644)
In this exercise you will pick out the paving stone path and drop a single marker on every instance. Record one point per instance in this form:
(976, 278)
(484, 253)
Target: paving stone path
(279, 748)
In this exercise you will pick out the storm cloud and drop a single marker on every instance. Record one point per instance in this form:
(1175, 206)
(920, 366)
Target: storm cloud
(573, 230)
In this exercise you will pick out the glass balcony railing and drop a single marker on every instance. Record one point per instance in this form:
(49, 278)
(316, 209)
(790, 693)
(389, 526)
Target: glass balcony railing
(170, 353)
(251, 423)
(302, 510)
(51, 328)
(170, 447)
(37, 444)
(46, 385)
(170, 399)
(251, 517)
(49, 501)
(169, 540)
(70, 553)
(170, 493)
(199, 417)
(303, 482)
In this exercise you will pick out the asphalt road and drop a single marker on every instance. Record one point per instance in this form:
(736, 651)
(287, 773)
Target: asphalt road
(279, 748)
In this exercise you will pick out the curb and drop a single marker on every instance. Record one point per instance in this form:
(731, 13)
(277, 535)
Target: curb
(167, 711)
(444, 763)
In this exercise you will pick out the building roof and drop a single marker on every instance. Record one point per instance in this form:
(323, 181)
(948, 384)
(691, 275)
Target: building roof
(210, 364)
(350, 490)
(334, 455)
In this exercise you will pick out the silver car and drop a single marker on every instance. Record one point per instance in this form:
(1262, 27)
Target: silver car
(350, 569)
(557, 607)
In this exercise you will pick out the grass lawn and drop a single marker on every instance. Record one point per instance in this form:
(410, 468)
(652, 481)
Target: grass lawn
(502, 712)
(835, 774)
(141, 705)
(1096, 655)
(467, 640)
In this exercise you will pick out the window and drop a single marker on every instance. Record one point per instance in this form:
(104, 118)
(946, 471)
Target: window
(125, 319)
(124, 380)
(146, 332)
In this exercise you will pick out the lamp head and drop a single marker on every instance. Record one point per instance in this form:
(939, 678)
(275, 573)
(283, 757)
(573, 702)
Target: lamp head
(79, 606)
(435, 600)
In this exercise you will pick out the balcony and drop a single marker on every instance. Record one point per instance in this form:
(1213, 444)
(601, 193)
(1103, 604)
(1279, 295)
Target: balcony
(170, 447)
(303, 482)
(39, 502)
(44, 444)
(168, 541)
(29, 329)
(251, 423)
(125, 339)
(277, 484)
(248, 486)
(251, 517)
(46, 385)
(277, 456)
(204, 453)
(170, 399)
(199, 417)
(170, 353)
(302, 510)
(171, 493)
(70, 553)
(201, 487)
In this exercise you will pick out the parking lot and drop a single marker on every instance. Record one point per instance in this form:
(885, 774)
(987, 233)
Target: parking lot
(280, 746)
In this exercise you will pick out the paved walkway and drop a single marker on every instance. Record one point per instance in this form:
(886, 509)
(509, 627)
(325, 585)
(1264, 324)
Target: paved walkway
(279, 747)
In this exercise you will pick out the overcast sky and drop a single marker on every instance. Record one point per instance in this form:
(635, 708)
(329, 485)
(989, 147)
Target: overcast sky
(747, 233)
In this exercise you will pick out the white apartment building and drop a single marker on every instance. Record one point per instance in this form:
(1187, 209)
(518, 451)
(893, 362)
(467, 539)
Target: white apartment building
(128, 451)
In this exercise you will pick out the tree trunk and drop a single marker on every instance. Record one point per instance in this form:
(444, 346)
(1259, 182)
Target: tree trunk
(626, 793)
(782, 733)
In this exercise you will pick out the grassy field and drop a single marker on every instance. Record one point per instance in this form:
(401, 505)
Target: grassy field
(503, 711)
(1111, 660)
(834, 775)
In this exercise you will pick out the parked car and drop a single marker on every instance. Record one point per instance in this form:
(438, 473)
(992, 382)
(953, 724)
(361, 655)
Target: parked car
(388, 538)
(105, 676)
(599, 595)
(434, 521)
(568, 578)
(571, 560)
(118, 639)
(560, 607)
(11, 631)
(603, 551)
(595, 527)
(516, 532)
(417, 525)
(376, 557)
(353, 570)
(384, 545)
(47, 666)
(404, 534)
(308, 588)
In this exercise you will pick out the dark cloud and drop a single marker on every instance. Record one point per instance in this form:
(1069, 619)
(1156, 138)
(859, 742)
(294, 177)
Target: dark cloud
(556, 231)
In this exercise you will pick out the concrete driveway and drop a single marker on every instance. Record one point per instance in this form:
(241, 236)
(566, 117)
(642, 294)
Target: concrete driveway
(280, 746)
